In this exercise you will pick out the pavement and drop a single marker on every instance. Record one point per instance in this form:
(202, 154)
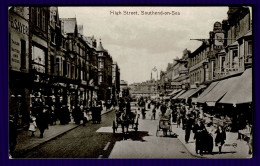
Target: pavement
(228, 151)
(171, 147)
(27, 143)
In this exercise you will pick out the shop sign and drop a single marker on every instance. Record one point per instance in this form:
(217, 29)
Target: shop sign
(19, 24)
(219, 41)
(38, 57)
(18, 29)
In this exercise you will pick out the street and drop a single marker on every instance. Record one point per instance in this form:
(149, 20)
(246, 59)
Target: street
(98, 141)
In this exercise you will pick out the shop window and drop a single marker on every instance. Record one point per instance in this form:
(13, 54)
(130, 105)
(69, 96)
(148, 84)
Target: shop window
(222, 63)
(235, 59)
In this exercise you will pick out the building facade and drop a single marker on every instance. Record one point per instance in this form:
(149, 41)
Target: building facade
(53, 63)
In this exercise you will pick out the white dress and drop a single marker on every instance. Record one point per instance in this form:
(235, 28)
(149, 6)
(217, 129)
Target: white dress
(32, 126)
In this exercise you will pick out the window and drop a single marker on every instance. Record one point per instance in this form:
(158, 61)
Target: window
(43, 21)
(72, 71)
(68, 71)
(101, 64)
(23, 54)
(100, 79)
(250, 48)
(64, 68)
(235, 59)
(38, 19)
(34, 15)
(53, 36)
(222, 63)
(52, 64)
(58, 62)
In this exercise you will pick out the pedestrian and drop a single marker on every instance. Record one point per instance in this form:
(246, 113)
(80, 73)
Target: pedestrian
(174, 114)
(183, 112)
(188, 128)
(42, 120)
(76, 114)
(153, 113)
(220, 137)
(66, 114)
(12, 135)
(33, 125)
(52, 116)
(199, 130)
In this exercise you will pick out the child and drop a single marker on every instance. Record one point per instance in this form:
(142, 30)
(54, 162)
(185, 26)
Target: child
(220, 137)
(33, 125)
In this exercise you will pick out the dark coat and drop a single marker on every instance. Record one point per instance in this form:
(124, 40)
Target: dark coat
(220, 137)
(199, 131)
(42, 120)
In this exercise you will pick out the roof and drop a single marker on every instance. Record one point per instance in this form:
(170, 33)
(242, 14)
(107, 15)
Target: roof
(241, 91)
(248, 34)
(180, 93)
(175, 91)
(219, 90)
(206, 91)
(100, 47)
(189, 93)
(69, 25)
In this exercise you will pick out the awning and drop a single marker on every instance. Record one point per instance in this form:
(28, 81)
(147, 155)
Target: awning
(241, 91)
(175, 91)
(219, 90)
(190, 93)
(206, 91)
(180, 93)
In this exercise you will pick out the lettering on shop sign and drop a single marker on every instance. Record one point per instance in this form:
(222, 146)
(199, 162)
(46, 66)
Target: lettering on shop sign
(15, 51)
(17, 25)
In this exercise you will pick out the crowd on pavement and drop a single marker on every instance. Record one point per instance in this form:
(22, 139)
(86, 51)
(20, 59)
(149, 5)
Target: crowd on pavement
(42, 116)
(191, 118)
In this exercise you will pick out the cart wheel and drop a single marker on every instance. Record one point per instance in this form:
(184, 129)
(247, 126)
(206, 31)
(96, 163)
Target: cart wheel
(114, 127)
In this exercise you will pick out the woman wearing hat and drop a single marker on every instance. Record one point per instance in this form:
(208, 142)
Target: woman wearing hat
(42, 120)
(199, 130)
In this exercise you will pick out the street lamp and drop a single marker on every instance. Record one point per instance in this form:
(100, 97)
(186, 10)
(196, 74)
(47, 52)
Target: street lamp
(155, 70)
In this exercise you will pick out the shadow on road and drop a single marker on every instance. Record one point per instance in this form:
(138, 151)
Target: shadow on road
(132, 135)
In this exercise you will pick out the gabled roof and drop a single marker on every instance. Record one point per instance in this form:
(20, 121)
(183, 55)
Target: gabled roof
(100, 47)
(69, 25)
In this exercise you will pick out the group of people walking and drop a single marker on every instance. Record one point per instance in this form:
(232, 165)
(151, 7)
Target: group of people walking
(190, 119)
(42, 116)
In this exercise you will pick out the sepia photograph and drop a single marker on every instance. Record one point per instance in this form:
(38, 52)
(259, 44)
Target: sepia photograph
(130, 82)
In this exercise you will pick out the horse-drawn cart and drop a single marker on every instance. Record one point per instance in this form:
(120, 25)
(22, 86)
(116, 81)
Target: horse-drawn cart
(124, 120)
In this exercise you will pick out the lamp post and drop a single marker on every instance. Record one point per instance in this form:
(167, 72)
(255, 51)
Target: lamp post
(155, 70)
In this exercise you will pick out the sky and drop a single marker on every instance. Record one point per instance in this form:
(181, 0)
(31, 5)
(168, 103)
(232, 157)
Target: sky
(138, 43)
